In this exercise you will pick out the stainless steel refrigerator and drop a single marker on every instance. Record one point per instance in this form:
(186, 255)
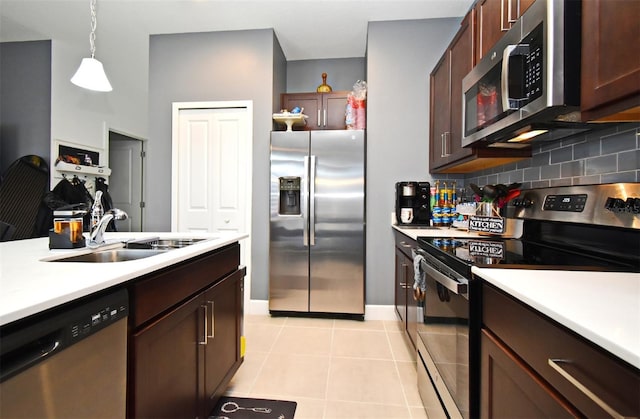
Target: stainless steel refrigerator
(316, 252)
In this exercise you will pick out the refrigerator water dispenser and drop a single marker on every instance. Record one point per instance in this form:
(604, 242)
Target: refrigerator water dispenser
(290, 195)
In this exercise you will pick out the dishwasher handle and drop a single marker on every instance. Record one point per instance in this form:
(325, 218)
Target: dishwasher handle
(30, 354)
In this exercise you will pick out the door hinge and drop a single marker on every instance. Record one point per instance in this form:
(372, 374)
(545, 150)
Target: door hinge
(143, 154)
(142, 204)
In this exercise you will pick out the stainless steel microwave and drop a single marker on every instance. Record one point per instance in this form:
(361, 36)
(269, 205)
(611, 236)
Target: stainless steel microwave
(529, 83)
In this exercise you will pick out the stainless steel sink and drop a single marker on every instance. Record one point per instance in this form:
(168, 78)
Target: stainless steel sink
(161, 243)
(113, 255)
(130, 250)
(173, 243)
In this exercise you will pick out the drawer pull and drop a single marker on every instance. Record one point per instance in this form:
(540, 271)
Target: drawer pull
(555, 364)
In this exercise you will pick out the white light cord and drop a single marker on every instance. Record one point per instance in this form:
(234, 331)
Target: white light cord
(94, 23)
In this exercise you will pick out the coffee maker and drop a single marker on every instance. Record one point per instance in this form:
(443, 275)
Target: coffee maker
(413, 203)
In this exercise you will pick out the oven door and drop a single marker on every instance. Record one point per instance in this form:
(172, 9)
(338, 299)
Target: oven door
(443, 340)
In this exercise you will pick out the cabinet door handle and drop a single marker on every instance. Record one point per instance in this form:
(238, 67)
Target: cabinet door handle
(512, 18)
(503, 28)
(443, 138)
(324, 121)
(447, 141)
(204, 332)
(442, 145)
(555, 364)
(212, 319)
(318, 117)
(405, 244)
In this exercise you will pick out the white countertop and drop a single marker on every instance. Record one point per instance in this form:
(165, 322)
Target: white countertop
(602, 307)
(29, 285)
(415, 232)
(513, 229)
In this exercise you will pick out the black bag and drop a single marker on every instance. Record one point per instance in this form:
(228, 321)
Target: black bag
(74, 193)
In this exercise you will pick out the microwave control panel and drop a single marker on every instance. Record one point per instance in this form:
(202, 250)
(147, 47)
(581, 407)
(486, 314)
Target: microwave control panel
(533, 74)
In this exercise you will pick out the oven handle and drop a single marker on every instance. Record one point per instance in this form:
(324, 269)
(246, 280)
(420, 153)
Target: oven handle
(449, 283)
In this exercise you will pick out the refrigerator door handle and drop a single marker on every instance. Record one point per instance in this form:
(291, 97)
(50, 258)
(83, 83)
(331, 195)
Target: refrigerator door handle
(312, 202)
(305, 202)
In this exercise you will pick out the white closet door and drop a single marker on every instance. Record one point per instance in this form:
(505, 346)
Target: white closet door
(212, 170)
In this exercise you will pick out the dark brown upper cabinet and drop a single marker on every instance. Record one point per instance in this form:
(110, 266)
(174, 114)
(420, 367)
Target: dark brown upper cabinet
(610, 60)
(324, 110)
(446, 154)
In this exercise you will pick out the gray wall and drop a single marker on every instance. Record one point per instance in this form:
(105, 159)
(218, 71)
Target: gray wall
(400, 57)
(25, 100)
(260, 228)
(216, 66)
(607, 156)
(342, 73)
(279, 75)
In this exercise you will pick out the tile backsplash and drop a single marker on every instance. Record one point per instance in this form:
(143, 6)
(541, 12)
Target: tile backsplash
(604, 156)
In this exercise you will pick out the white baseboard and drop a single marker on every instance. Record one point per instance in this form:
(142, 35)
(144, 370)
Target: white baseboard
(377, 312)
(258, 307)
(371, 312)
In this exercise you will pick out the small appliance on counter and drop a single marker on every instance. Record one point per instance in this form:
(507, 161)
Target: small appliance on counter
(67, 229)
(413, 203)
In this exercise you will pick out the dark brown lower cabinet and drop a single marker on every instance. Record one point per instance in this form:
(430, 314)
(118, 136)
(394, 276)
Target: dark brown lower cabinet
(532, 366)
(182, 356)
(511, 390)
(222, 350)
(406, 305)
(168, 360)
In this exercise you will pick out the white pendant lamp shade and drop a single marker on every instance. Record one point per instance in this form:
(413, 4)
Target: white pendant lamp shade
(90, 75)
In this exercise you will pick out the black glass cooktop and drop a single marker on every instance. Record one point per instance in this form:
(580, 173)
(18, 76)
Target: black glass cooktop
(492, 252)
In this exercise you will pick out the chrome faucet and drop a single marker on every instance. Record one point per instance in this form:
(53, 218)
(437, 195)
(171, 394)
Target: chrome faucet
(97, 211)
(96, 237)
(100, 220)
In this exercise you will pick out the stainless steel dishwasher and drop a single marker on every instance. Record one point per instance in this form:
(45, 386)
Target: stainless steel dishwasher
(69, 362)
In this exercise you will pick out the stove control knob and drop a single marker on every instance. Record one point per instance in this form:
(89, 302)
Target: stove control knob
(522, 202)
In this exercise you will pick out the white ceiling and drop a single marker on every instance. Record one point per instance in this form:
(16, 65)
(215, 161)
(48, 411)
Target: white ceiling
(306, 29)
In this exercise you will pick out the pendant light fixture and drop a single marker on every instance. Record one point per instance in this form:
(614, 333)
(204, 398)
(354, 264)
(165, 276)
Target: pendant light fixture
(90, 75)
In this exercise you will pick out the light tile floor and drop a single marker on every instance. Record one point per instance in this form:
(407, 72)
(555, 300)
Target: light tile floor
(331, 368)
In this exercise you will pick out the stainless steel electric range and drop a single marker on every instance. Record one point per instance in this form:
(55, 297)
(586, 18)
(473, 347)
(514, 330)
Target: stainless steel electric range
(592, 227)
